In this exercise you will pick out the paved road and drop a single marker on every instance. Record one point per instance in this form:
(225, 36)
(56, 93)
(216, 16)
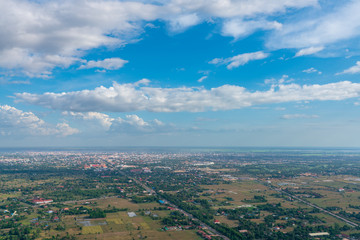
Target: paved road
(353, 224)
(202, 224)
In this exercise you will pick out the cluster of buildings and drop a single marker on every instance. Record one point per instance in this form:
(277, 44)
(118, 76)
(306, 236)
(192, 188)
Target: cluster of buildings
(40, 201)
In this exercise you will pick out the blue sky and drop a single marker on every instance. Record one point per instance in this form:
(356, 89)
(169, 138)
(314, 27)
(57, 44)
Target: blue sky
(179, 73)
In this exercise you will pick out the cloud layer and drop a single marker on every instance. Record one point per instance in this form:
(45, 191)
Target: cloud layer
(137, 97)
(296, 116)
(38, 36)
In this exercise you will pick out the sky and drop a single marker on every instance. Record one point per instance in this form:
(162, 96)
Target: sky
(179, 73)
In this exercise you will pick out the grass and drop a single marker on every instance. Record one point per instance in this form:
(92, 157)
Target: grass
(329, 219)
(145, 226)
(114, 220)
(92, 230)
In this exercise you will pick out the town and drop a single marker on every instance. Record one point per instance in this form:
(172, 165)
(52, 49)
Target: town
(180, 194)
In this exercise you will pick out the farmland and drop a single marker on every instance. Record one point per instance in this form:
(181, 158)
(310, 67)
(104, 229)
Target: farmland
(222, 195)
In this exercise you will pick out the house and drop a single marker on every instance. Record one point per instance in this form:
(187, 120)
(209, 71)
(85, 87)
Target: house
(319, 234)
(41, 201)
(131, 214)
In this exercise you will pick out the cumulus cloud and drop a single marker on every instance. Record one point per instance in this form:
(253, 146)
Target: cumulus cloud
(13, 121)
(308, 51)
(134, 124)
(37, 36)
(312, 70)
(296, 116)
(104, 119)
(351, 70)
(239, 60)
(131, 123)
(182, 22)
(135, 97)
(108, 64)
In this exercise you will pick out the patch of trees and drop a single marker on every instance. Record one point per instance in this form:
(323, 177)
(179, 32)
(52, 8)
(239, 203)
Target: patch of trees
(146, 199)
(256, 199)
(97, 213)
(176, 218)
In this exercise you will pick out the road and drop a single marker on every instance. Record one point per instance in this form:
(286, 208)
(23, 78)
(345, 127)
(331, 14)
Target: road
(353, 224)
(189, 215)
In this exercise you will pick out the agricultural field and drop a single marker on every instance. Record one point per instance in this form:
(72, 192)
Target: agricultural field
(207, 196)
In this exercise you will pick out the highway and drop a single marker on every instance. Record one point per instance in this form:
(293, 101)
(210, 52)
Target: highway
(189, 215)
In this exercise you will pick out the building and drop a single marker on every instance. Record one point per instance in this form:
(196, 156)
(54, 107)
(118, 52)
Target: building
(41, 201)
(319, 234)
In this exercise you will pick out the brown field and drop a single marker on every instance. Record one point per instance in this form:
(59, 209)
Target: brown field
(230, 223)
(123, 203)
(121, 226)
(239, 191)
(150, 234)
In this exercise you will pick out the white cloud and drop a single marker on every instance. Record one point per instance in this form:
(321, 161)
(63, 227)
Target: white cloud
(275, 82)
(104, 119)
(64, 129)
(14, 121)
(182, 22)
(131, 123)
(351, 70)
(312, 70)
(135, 97)
(200, 80)
(32, 64)
(239, 8)
(108, 64)
(238, 28)
(134, 124)
(322, 29)
(296, 116)
(308, 51)
(239, 60)
(38, 36)
(4, 81)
